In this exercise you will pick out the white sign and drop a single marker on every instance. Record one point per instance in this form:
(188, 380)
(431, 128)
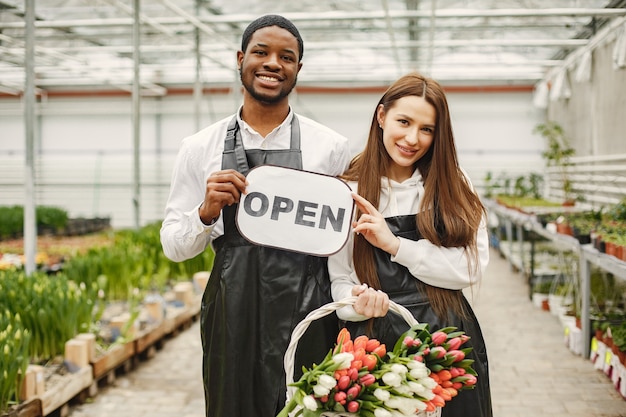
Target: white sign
(295, 210)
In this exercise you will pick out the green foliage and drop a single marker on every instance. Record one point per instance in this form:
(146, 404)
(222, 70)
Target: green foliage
(48, 218)
(617, 212)
(619, 336)
(52, 308)
(135, 262)
(14, 345)
(12, 222)
(557, 153)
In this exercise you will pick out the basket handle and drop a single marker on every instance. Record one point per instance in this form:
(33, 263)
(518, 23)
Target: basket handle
(318, 313)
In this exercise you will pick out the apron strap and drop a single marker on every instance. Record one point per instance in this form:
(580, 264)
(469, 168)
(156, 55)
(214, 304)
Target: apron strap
(230, 144)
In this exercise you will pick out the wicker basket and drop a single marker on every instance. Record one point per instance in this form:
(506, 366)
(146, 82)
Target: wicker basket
(323, 311)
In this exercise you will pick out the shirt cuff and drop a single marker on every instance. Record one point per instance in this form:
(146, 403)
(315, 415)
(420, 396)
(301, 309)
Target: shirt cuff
(404, 256)
(197, 225)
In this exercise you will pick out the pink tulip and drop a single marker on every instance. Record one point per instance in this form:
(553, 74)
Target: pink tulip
(438, 351)
(467, 379)
(340, 397)
(454, 343)
(439, 338)
(343, 383)
(353, 407)
(354, 392)
(408, 341)
(457, 354)
(471, 380)
(353, 373)
(367, 379)
(418, 358)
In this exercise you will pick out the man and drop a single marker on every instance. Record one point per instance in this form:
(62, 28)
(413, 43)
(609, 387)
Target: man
(255, 295)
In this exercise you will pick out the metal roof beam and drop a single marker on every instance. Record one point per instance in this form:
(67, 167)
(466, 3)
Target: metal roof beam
(333, 16)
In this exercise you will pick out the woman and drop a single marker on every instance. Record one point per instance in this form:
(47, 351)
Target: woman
(420, 236)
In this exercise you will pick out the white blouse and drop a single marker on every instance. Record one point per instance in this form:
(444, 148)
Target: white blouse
(437, 266)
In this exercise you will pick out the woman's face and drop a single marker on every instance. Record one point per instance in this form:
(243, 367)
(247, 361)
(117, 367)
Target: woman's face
(408, 131)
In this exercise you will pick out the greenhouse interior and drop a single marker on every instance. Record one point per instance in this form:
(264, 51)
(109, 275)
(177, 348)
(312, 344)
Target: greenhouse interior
(97, 96)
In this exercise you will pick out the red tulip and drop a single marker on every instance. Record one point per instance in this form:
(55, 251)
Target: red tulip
(360, 342)
(380, 350)
(371, 345)
(355, 365)
(358, 353)
(343, 336)
(370, 361)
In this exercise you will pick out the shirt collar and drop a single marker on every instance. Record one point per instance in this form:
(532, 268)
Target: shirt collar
(248, 129)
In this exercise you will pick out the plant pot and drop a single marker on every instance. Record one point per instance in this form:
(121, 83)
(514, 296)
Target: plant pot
(610, 248)
(29, 408)
(564, 229)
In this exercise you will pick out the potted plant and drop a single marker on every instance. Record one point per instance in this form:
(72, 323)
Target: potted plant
(558, 154)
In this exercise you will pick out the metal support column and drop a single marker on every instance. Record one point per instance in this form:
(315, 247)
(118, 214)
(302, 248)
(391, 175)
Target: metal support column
(136, 114)
(30, 216)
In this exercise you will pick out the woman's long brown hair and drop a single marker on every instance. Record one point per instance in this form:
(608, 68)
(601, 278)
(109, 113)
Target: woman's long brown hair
(450, 211)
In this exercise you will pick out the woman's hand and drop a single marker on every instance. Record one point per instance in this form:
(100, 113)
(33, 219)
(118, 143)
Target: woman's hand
(370, 302)
(371, 224)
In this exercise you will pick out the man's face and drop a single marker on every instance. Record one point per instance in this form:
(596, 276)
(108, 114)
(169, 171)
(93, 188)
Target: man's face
(269, 66)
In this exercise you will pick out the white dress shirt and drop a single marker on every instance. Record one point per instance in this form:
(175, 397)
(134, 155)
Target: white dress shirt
(437, 266)
(183, 235)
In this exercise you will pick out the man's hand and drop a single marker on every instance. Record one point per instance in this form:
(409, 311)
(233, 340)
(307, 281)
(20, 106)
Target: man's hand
(223, 188)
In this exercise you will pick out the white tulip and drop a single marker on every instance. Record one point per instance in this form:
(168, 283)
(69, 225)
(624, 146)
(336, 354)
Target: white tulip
(309, 403)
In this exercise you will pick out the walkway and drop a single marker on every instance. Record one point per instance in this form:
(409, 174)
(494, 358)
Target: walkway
(533, 373)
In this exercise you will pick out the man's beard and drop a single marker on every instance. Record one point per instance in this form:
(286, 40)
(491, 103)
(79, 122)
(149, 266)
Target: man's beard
(263, 98)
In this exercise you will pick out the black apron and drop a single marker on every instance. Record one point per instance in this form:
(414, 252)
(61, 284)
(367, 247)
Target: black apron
(254, 298)
(404, 289)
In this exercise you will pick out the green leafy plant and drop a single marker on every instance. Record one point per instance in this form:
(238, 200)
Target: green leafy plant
(14, 346)
(52, 308)
(558, 154)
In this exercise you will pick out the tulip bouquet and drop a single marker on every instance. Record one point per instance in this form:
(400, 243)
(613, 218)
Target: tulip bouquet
(361, 378)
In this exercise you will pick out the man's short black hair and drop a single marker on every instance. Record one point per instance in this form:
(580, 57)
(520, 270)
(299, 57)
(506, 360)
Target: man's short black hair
(271, 20)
